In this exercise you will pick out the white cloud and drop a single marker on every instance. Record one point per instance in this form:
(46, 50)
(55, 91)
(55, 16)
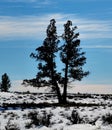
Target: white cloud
(97, 46)
(21, 0)
(30, 1)
(21, 27)
(35, 26)
(25, 27)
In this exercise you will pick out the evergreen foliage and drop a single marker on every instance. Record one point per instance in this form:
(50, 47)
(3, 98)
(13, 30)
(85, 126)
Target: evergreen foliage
(5, 83)
(70, 55)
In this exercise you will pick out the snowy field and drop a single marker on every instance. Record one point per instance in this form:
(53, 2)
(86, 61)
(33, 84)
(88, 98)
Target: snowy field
(90, 112)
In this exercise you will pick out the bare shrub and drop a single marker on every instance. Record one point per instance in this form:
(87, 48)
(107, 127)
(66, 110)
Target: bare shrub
(107, 119)
(38, 120)
(11, 126)
(75, 117)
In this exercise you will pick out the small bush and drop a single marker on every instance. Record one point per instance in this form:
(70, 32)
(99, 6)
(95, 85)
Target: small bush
(38, 120)
(33, 117)
(28, 125)
(12, 115)
(11, 126)
(75, 117)
(46, 119)
(107, 119)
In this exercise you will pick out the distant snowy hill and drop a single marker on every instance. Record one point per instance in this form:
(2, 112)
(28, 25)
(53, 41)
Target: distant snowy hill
(74, 88)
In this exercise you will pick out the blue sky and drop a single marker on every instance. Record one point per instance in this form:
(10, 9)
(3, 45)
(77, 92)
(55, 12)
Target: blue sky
(23, 25)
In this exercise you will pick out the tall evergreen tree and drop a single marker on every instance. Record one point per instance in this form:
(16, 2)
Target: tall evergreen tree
(46, 54)
(72, 57)
(5, 83)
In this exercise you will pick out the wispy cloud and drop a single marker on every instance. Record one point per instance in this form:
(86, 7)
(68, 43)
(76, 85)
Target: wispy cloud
(22, 0)
(34, 27)
(29, 1)
(92, 29)
(25, 27)
(97, 46)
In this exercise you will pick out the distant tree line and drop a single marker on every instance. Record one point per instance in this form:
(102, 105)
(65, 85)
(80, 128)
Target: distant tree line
(5, 83)
(68, 47)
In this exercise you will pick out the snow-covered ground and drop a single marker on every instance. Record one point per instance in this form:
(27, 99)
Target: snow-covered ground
(96, 117)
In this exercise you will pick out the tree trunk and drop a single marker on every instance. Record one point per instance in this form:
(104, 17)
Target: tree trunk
(54, 82)
(65, 84)
(58, 92)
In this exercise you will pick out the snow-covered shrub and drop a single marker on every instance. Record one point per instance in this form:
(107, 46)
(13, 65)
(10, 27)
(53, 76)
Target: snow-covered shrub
(91, 121)
(11, 126)
(46, 119)
(28, 125)
(38, 119)
(11, 115)
(107, 119)
(34, 120)
(75, 117)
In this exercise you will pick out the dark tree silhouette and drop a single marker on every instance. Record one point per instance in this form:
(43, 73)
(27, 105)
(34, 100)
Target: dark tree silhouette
(5, 83)
(70, 55)
(46, 55)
